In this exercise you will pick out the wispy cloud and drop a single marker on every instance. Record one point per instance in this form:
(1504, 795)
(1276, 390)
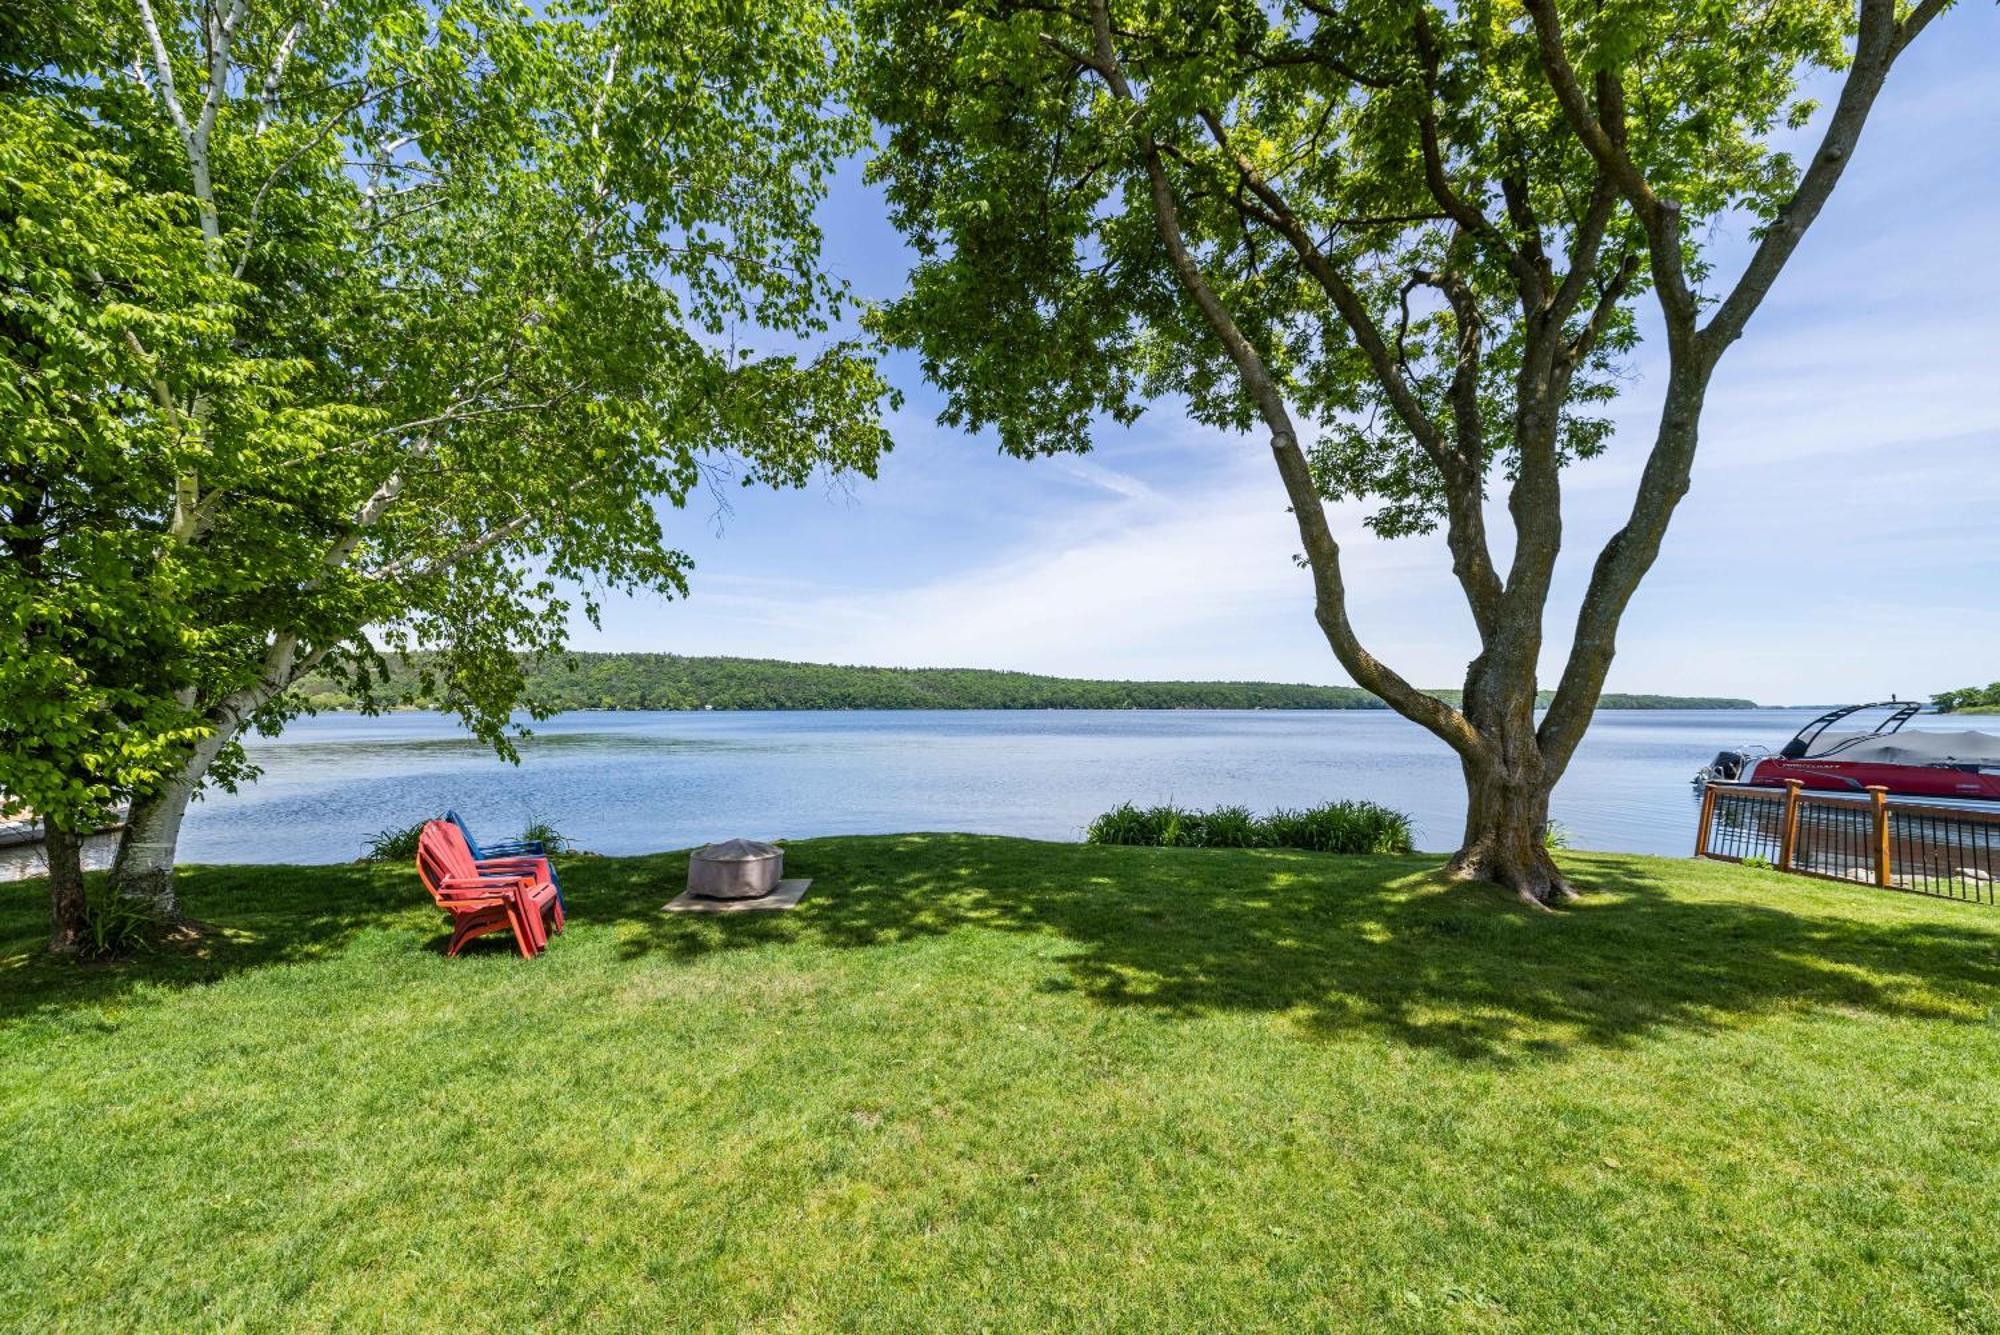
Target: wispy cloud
(1110, 479)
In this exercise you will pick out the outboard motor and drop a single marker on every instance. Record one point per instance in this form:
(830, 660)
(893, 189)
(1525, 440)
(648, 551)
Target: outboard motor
(1727, 767)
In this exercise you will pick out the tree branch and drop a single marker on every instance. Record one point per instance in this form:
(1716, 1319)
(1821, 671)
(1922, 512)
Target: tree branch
(1875, 49)
(1605, 140)
(1601, 313)
(1460, 470)
(318, 137)
(267, 96)
(1462, 212)
(1586, 243)
(164, 67)
(218, 71)
(1632, 550)
(1623, 562)
(465, 551)
(1323, 552)
(1915, 22)
(1463, 393)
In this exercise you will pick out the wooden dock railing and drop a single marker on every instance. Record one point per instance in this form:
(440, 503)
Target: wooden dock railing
(1865, 838)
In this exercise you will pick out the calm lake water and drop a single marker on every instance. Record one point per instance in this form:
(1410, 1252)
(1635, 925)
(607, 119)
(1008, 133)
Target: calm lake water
(638, 782)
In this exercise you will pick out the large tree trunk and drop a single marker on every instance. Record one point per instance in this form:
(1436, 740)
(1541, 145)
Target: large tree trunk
(1506, 837)
(63, 851)
(144, 868)
(1506, 843)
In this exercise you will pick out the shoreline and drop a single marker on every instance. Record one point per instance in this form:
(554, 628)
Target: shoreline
(1688, 704)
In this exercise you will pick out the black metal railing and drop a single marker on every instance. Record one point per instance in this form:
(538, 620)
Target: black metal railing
(1742, 824)
(1867, 839)
(1938, 851)
(1835, 838)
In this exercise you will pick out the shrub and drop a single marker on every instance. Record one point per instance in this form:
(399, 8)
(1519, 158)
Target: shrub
(548, 836)
(1335, 827)
(1230, 827)
(1555, 836)
(114, 925)
(398, 843)
(1126, 824)
(1341, 827)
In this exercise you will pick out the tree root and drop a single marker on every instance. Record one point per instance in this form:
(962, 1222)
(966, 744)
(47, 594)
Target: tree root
(1539, 883)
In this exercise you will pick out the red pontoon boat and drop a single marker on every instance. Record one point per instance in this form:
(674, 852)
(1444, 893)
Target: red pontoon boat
(1964, 765)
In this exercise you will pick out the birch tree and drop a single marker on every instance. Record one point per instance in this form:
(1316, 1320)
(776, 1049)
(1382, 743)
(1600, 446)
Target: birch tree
(1404, 243)
(92, 274)
(513, 260)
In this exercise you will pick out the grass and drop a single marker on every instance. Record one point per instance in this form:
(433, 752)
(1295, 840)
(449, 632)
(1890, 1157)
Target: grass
(990, 1083)
(1333, 827)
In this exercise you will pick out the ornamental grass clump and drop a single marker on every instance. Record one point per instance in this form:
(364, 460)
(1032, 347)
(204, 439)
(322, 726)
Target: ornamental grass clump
(1340, 827)
(1334, 827)
(1169, 826)
(114, 926)
(398, 843)
(1229, 827)
(1126, 824)
(552, 840)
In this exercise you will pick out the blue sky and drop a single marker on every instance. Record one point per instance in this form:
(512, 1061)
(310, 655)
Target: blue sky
(1842, 538)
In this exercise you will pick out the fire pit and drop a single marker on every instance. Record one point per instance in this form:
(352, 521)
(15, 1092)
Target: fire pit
(735, 869)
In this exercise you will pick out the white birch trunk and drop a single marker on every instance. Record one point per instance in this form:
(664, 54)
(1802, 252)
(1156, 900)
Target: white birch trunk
(144, 867)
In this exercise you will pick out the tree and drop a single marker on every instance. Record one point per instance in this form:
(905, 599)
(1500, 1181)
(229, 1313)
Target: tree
(90, 269)
(1404, 240)
(495, 259)
(1967, 697)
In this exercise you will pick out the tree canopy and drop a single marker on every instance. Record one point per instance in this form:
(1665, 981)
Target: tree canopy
(1404, 241)
(420, 318)
(89, 268)
(1977, 698)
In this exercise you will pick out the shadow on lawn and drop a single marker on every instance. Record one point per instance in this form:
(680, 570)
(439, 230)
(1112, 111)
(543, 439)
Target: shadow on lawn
(1340, 944)
(1380, 944)
(253, 917)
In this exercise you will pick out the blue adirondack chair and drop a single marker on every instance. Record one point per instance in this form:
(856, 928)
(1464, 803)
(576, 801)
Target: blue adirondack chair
(509, 848)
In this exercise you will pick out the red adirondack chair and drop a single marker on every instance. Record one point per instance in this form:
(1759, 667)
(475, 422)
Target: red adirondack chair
(542, 892)
(513, 864)
(480, 902)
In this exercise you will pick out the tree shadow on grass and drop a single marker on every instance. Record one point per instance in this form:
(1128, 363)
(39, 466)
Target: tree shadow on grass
(1339, 945)
(1386, 945)
(251, 917)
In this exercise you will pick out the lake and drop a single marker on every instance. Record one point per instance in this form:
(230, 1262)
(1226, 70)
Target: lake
(637, 782)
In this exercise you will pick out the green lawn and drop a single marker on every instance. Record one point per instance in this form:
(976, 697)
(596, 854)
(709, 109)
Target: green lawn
(982, 1082)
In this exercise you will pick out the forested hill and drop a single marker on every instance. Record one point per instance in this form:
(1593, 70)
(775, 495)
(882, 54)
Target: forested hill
(670, 681)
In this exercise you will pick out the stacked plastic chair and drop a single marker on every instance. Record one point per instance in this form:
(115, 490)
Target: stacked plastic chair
(481, 895)
(507, 848)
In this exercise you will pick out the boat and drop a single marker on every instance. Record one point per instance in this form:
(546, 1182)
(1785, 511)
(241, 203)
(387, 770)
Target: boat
(1931, 763)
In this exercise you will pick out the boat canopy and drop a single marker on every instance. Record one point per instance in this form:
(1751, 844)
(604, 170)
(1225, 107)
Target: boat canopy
(1964, 747)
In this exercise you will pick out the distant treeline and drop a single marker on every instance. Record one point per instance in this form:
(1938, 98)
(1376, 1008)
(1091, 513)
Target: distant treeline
(1969, 700)
(671, 681)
